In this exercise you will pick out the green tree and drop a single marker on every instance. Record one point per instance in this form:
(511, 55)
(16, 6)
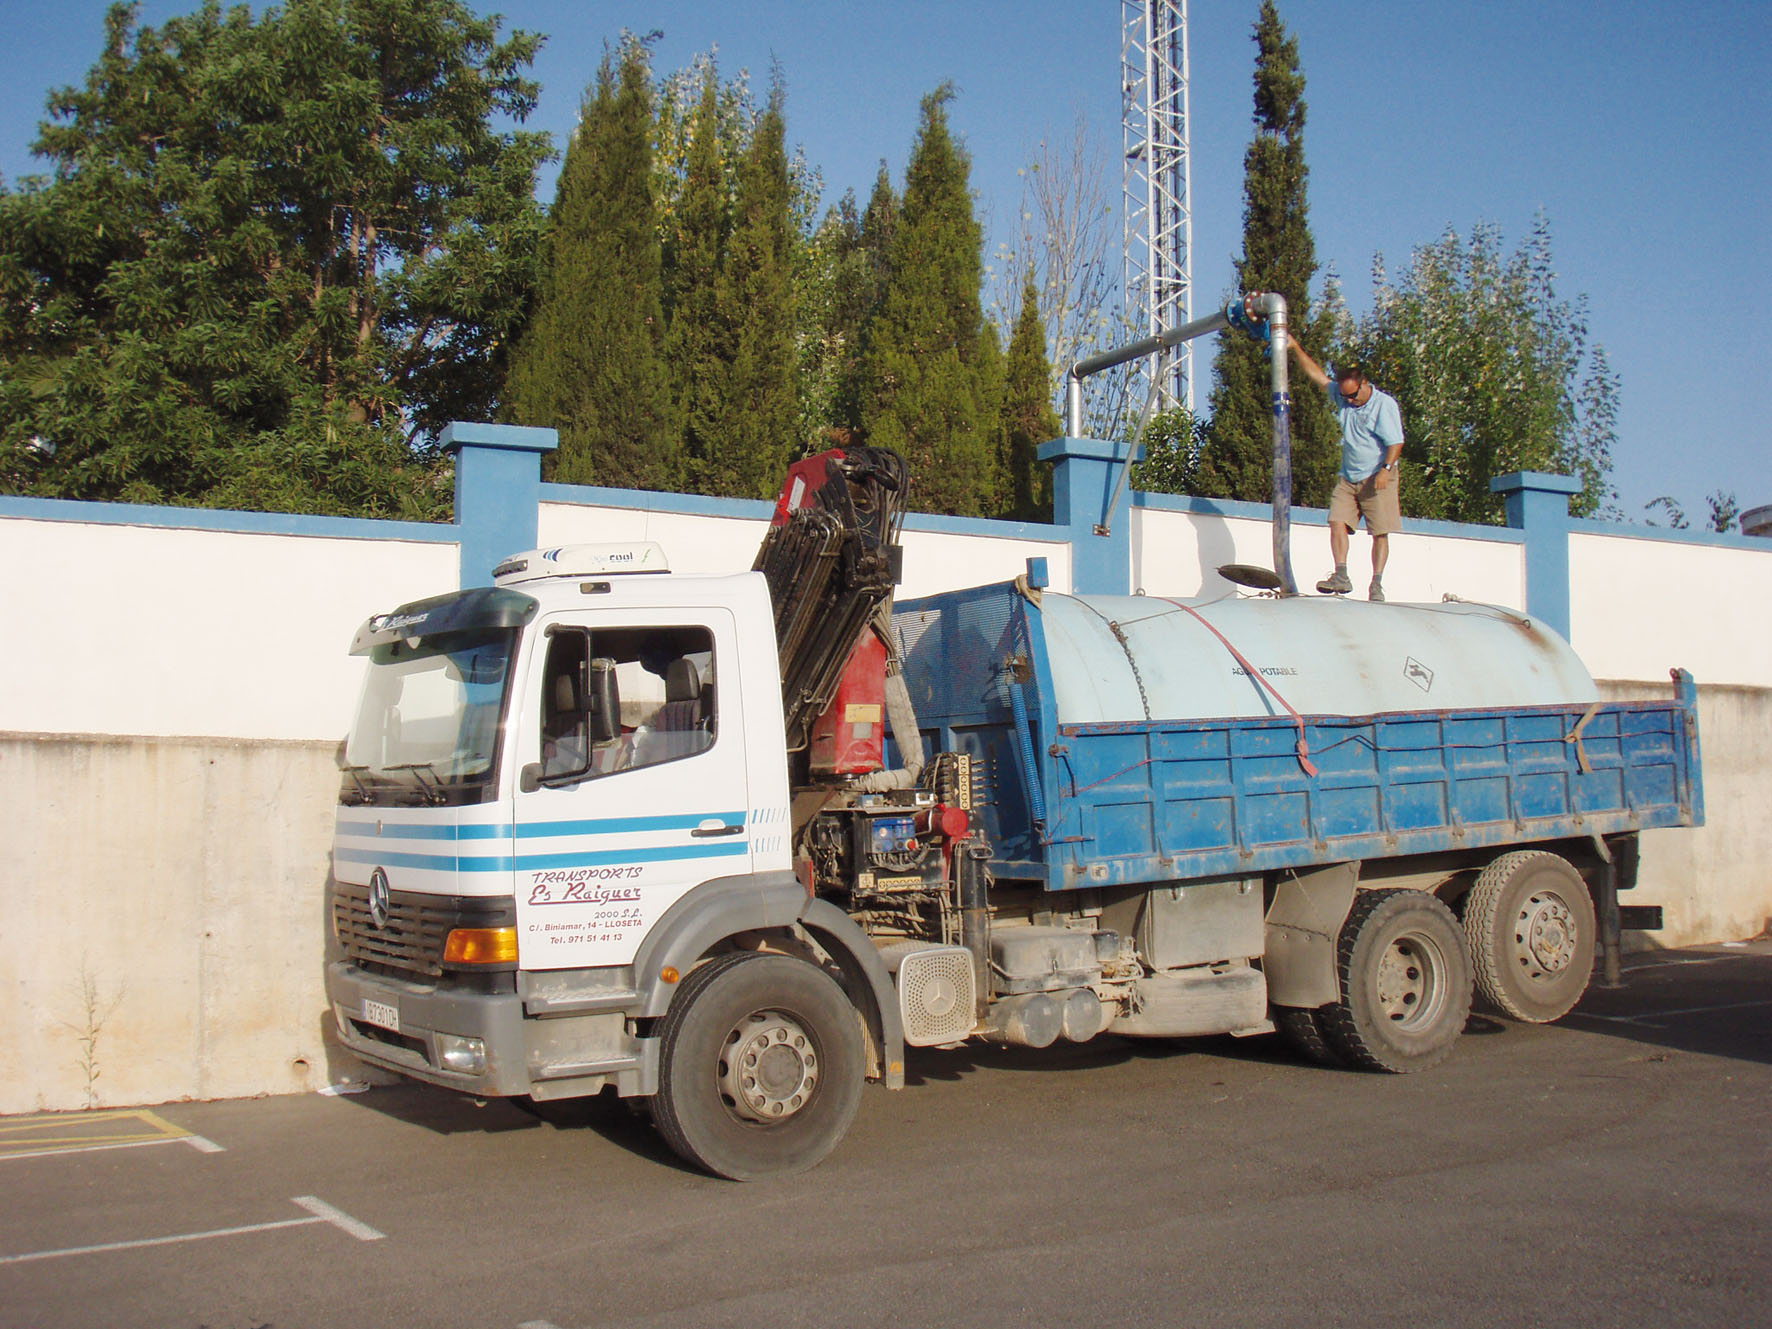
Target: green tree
(592, 361)
(1278, 255)
(830, 325)
(1725, 511)
(697, 342)
(862, 255)
(758, 422)
(1028, 417)
(273, 258)
(1172, 444)
(925, 395)
(1493, 374)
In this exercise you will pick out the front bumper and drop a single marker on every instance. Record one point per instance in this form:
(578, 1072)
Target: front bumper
(546, 1058)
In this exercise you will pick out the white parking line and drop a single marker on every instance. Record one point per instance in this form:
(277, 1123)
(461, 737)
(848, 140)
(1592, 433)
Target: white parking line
(318, 1212)
(1650, 1017)
(196, 1142)
(46, 1133)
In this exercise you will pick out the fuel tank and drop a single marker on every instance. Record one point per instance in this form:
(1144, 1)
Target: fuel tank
(1128, 658)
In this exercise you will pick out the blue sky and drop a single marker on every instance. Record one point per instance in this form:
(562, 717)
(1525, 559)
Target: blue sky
(1641, 128)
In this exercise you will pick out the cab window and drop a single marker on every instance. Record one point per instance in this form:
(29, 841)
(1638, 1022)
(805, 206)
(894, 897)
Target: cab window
(619, 699)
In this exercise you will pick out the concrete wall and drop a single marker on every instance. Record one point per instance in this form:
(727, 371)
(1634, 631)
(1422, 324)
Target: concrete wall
(171, 701)
(176, 685)
(1712, 881)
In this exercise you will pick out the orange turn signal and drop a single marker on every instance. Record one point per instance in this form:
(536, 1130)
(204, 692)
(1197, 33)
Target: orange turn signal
(481, 946)
(669, 973)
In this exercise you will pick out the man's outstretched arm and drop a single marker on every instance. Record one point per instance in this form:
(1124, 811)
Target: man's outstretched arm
(1312, 370)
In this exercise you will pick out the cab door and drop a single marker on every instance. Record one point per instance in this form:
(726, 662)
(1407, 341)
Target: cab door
(633, 785)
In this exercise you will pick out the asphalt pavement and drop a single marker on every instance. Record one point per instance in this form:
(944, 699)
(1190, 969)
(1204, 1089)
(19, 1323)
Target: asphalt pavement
(1608, 1170)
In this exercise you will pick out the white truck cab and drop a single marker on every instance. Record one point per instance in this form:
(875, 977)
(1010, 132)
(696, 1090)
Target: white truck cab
(538, 775)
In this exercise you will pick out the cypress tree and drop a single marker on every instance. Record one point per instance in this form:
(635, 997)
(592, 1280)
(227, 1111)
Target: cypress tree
(1028, 417)
(1278, 255)
(698, 337)
(925, 396)
(592, 364)
(755, 431)
(865, 265)
(992, 398)
(830, 324)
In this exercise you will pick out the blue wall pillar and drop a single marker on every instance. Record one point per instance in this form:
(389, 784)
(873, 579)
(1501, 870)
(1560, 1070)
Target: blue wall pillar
(1084, 473)
(1538, 504)
(497, 491)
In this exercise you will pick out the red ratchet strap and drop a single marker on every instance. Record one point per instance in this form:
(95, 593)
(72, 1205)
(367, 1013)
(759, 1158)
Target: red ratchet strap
(1304, 752)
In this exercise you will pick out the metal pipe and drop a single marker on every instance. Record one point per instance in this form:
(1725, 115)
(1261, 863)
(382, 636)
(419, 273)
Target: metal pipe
(1270, 305)
(1094, 364)
(1273, 305)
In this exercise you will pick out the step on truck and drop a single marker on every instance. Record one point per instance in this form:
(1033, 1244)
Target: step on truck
(730, 844)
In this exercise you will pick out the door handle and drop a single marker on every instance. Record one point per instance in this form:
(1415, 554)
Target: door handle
(723, 828)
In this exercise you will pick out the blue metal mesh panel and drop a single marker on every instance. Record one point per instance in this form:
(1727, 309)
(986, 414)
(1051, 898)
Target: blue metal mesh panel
(955, 648)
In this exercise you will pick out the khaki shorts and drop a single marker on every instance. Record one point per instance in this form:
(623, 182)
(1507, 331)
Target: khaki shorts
(1350, 502)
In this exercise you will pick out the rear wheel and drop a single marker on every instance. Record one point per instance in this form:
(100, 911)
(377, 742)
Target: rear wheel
(761, 1065)
(1304, 1032)
(1405, 983)
(1530, 924)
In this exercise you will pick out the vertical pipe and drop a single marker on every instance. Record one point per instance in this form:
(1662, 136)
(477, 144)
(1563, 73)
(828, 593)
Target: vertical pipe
(1279, 352)
(1611, 938)
(1073, 405)
(975, 919)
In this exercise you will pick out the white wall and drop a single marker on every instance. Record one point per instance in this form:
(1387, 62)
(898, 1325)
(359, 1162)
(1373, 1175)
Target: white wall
(154, 630)
(1639, 607)
(933, 560)
(1178, 553)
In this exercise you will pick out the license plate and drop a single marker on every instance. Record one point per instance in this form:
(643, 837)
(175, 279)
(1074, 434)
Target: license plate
(382, 1013)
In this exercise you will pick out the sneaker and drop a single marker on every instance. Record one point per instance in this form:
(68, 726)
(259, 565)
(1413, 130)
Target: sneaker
(1375, 592)
(1336, 583)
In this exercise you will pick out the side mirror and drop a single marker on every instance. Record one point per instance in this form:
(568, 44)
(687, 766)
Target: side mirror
(604, 701)
(529, 778)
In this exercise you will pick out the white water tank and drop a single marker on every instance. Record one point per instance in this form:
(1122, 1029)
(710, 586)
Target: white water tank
(1129, 658)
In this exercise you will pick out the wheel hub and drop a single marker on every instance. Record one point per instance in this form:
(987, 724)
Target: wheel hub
(1409, 981)
(768, 1068)
(1546, 934)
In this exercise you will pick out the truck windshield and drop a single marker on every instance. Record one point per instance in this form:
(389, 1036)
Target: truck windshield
(427, 730)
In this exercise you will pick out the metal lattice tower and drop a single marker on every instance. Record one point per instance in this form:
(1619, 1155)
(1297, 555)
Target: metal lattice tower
(1158, 206)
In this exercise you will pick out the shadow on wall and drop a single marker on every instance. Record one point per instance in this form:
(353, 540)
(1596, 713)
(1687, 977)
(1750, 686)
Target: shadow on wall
(1214, 546)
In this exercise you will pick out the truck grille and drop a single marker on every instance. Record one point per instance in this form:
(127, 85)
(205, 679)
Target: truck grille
(418, 925)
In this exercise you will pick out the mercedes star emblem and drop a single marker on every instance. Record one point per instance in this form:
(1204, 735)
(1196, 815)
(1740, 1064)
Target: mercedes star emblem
(380, 898)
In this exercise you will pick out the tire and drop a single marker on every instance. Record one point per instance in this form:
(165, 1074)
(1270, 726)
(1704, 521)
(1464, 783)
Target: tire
(761, 1067)
(1529, 921)
(1304, 1033)
(1405, 983)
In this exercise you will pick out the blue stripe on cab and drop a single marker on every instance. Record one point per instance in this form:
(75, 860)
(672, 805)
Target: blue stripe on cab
(525, 862)
(395, 830)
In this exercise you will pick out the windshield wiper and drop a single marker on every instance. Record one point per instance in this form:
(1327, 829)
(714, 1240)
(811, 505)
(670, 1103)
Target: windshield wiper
(431, 793)
(364, 794)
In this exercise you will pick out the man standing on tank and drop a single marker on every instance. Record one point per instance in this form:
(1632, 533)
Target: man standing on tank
(1371, 443)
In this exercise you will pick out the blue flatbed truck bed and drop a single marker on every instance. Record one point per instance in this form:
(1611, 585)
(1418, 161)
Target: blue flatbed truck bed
(1080, 805)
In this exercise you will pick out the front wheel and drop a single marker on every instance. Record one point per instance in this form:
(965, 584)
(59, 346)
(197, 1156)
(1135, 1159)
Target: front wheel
(761, 1066)
(1405, 983)
(1530, 923)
